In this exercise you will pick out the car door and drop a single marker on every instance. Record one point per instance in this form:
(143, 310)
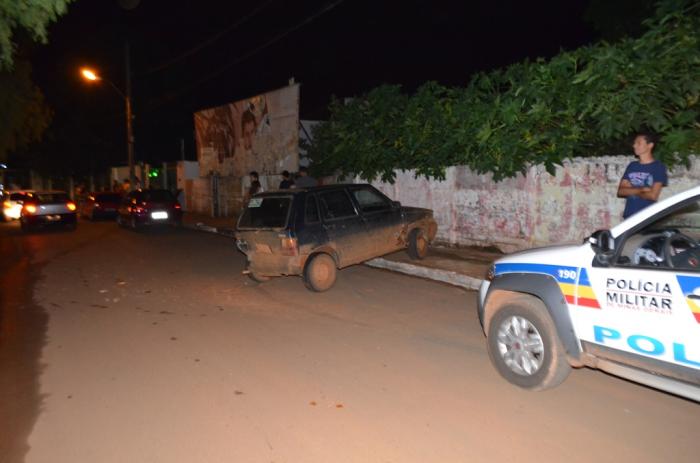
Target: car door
(344, 227)
(382, 219)
(643, 309)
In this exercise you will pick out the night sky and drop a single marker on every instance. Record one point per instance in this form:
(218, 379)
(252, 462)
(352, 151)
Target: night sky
(190, 55)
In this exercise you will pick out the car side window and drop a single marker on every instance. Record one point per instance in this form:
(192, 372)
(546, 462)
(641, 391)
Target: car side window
(336, 204)
(370, 200)
(311, 210)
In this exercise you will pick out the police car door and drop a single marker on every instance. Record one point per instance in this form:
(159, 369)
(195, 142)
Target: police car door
(647, 300)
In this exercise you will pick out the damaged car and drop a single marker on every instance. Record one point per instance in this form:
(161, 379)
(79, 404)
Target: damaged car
(314, 232)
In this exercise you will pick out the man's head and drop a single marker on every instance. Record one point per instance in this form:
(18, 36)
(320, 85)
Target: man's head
(644, 143)
(254, 176)
(303, 171)
(285, 174)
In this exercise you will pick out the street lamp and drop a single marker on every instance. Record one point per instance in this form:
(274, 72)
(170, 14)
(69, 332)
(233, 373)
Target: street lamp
(92, 76)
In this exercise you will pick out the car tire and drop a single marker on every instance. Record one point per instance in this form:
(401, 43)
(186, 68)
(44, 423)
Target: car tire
(320, 273)
(417, 244)
(524, 346)
(72, 226)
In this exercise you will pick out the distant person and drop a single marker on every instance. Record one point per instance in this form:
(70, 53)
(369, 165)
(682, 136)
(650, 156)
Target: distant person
(126, 186)
(115, 187)
(254, 177)
(305, 180)
(643, 179)
(287, 181)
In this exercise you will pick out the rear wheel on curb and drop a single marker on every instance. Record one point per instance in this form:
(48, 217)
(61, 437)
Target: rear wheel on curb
(524, 347)
(320, 273)
(417, 244)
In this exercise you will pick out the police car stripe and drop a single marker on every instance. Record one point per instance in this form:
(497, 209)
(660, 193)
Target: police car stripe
(565, 277)
(689, 285)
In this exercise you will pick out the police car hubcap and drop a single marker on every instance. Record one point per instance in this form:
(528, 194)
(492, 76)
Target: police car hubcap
(520, 345)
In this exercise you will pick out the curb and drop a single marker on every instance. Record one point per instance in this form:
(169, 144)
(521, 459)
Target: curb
(444, 276)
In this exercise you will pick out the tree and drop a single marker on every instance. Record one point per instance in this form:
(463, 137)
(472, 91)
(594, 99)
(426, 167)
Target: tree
(31, 15)
(584, 102)
(25, 115)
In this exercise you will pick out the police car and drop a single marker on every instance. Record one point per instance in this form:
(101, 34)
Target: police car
(627, 301)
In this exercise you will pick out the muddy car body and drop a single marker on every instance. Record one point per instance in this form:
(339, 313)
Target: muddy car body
(313, 232)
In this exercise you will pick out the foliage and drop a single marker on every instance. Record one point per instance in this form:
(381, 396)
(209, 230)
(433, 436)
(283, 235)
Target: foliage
(25, 115)
(580, 103)
(31, 15)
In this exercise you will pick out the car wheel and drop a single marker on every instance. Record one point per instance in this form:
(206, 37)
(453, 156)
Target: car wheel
(258, 278)
(320, 273)
(417, 244)
(524, 347)
(72, 226)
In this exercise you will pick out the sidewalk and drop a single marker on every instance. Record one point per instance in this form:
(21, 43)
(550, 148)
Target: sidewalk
(464, 267)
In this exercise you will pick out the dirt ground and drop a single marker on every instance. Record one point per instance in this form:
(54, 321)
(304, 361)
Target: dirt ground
(157, 349)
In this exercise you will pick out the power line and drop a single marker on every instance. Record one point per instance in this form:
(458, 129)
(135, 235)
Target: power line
(206, 42)
(328, 7)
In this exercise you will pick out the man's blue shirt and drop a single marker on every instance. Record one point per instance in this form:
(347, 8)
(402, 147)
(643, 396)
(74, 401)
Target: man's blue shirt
(642, 175)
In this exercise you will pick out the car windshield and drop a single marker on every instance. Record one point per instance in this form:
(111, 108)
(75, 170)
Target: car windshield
(685, 220)
(156, 195)
(266, 212)
(50, 197)
(108, 197)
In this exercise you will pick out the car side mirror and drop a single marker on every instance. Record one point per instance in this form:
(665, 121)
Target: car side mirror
(603, 245)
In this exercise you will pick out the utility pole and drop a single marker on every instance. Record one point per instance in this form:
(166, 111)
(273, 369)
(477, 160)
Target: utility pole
(129, 118)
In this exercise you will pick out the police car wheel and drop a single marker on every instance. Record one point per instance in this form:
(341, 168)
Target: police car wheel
(524, 347)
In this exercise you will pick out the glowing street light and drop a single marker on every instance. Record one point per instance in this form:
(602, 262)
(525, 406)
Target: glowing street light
(89, 74)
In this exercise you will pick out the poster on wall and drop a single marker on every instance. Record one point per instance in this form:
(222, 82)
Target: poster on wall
(259, 133)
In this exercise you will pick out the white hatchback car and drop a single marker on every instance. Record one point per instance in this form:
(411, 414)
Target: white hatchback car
(627, 301)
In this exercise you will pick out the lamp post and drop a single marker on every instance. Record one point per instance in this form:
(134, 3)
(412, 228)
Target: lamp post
(92, 76)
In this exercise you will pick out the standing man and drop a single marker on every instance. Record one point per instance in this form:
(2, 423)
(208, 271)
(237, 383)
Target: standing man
(305, 180)
(641, 184)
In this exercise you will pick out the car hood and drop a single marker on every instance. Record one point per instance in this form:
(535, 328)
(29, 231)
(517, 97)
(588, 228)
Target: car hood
(563, 255)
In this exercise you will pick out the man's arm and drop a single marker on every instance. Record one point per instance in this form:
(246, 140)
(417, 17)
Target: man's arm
(650, 193)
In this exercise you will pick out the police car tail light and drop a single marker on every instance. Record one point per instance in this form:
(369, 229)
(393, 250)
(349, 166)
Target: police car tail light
(7, 204)
(71, 206)
(30, 208)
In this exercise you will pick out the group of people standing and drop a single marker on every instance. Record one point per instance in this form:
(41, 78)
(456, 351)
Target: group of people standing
(301, 180)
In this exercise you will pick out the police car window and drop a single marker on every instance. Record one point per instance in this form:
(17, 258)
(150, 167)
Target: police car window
(336, 204)
(371, 200)
(673, 241)
(311, 214)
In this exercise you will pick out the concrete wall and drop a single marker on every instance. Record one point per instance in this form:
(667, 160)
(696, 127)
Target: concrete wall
(531, 210)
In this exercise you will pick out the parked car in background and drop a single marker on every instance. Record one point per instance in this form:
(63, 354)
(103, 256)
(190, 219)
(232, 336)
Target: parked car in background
(12, 203)
(627, 301)
(48, 208)
(100, 205)
(313, 232)
(149, 207)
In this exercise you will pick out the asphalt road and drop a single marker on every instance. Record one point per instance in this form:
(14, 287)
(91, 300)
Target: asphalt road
(152, 347)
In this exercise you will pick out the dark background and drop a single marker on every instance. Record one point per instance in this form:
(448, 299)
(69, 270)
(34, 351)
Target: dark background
(190, 55)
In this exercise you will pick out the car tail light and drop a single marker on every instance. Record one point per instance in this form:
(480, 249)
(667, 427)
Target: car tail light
(289, 246)
(71, 206)
(29, 208)
(7, 205)
(97, 204)
(177, 206)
